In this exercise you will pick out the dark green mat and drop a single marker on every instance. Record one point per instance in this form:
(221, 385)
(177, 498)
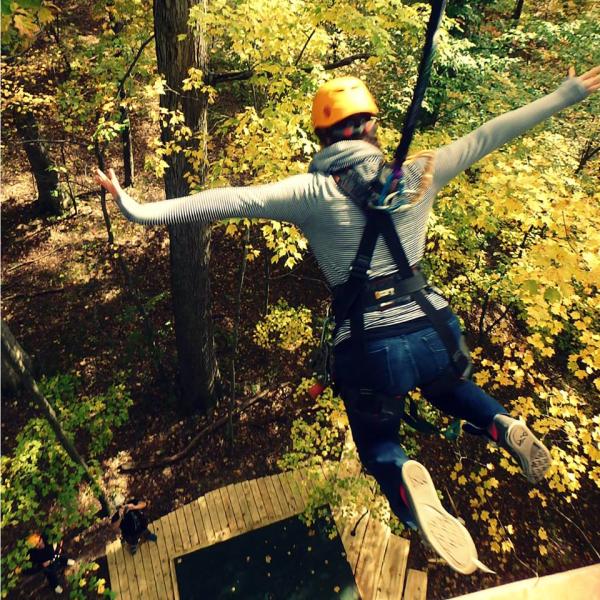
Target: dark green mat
(282, 561)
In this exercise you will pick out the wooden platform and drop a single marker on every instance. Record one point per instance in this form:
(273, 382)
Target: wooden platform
(377, 557)
(576, 584)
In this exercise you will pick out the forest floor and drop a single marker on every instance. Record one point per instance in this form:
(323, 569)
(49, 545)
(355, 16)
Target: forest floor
(66, 303)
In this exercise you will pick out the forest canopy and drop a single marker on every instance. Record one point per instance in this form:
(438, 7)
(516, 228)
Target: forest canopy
(513, 243)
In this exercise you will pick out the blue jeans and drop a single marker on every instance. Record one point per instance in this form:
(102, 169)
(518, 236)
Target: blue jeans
(394, 366)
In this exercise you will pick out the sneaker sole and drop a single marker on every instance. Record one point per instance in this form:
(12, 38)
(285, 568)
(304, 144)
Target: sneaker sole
(446, 534)
(533, 456)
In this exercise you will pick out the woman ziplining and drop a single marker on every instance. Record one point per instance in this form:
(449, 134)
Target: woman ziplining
(366, 224)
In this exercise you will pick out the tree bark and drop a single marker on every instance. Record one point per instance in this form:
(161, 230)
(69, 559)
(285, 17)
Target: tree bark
(12, 383)
(189, 243)
(44, 172)
(126, 146)
(18, 360)
(590, 150)
(518, 11)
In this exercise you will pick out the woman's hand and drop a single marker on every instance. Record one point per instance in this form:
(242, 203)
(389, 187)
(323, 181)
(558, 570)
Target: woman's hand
(590, 79)
(110, 185)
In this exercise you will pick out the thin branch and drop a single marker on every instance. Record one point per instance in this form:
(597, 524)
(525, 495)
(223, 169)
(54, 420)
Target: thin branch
(33, 260)
(132, 65)
(578, 529)
(305, 46)
(35, 293)
(169, 460)
(130, 286)
(236, 329)
(343, 62)
(43, 141)
(588, 153)
(567, 235)
(16, 357)
(215, 78)
(488, 294)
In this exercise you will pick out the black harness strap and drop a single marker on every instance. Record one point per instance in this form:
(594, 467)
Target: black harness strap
(408, 284)
(346, 302)
(460, 363)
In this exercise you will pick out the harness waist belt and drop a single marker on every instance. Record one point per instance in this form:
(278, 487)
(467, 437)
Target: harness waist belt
(382, 292)
(377, 294)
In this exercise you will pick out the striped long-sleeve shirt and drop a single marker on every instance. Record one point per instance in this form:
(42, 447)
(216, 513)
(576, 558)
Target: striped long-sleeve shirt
(332, 223)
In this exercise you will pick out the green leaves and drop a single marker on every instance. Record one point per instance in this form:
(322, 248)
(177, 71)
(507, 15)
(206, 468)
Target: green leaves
(40, 483)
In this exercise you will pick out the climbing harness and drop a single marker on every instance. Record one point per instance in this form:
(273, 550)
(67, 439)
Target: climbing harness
(359, 294)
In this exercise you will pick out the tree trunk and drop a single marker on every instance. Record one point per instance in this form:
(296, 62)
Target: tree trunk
(518, 11)
(12, 383)
(18, 360)
(44, 172)
(126, 146)
(189, 243)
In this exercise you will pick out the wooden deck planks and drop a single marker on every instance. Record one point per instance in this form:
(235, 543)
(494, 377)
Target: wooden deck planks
(113, 569)
(294, 490)
(196, 515)
(245, 494)
(186, 538)
(171, 520)
(191, 525)
(232, 522)
(370, 558)
(165, 545)
(161, 568)
(129, 571)
(125, 581)
(393, 569)
(279, 503)
(217, 514)
(240, 496)
(416, 585)
(270, 503)
(143, 564)
(281, 510)
(236, 507)
(260, 505)
(209, 530)
(353, 536)
(284, 493)
(378, 559)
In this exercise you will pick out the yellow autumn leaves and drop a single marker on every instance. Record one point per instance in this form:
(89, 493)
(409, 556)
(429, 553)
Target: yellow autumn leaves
(285, 327)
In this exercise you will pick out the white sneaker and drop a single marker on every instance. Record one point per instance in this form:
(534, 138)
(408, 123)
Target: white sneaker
(444, 533)
(70, 562)
(58, 589)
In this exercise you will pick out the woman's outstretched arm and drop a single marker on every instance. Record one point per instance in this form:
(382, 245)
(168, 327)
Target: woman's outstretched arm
(457, 156)
(289, 200)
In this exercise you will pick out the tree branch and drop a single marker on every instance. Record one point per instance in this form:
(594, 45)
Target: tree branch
(216, 78)
(487, 298)
(169, 460)
(305, 46)
(120, 88)
(18, 361)
(343, 62)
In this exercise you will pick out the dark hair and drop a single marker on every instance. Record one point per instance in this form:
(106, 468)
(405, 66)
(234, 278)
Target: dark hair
(354, 127)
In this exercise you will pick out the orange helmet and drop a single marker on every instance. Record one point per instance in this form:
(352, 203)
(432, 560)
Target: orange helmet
(33, 540)
(340, 98)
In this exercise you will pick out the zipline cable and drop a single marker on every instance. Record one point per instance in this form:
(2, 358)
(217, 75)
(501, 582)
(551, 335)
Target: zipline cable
(408, 130)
